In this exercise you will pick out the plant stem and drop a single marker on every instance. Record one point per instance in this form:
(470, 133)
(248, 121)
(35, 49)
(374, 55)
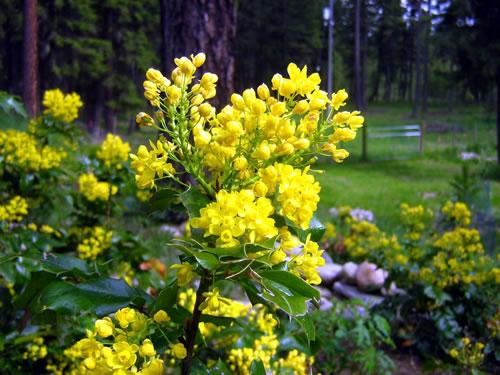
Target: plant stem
(191, 327)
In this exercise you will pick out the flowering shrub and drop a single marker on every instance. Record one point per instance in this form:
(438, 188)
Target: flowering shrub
(244, 175)
(450, 282)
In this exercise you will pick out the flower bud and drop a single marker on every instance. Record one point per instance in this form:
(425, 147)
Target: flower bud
(263, 91)
(199, 59)
(154, 75)
(301, 107)
(205, 110)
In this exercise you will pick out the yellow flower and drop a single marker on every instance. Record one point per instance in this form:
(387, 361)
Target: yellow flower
(14, 210)
(98, 240)
(93, 189)
(150, 164)
(153, 367)
(147, 349)
(178, 350)
(126, 316)
(113, 151)
(184, 273)
(338, 99)
(104, 327)
(61, 106)
(161, 316)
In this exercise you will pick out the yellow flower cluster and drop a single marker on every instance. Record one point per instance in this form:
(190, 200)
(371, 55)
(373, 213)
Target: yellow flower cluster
(457, 212)
(61, 106)
(255, 131)
(237, 216)
(414, 219)
(36, 350)
(93, 189)
(124, 350)
(44, 228)
(151, 164)
(366, 241)
(468, 355)
(98, 240)
(459, 259)
(14, 210)
(21, 150)
(113, 151)
(297, 191)
(266, 349)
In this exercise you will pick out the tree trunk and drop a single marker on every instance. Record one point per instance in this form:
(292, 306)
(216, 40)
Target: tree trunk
(425, 78)
(358, 74)
(30, 57)
(418, 63)
(205, 26)
(498, 115)
(164, 24)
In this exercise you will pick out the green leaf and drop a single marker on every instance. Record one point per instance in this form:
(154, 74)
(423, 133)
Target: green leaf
(194, 200)
(257, 368)
(166, 298)
(38, 282)
(64, 263)
(292, 282)
(316, 230)
(206, 259)
(307, 325)
(291, 303)
(101, 296)
(163, 199)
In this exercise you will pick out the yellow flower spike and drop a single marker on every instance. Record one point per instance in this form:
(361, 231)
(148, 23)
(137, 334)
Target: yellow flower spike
(184, 273)
(263, 92)
(199, 59)
(161, 316)
(178, 350)
(61, 106)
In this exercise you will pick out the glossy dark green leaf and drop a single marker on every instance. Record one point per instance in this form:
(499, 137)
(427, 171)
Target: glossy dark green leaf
(102, 296)
(64, 263)
(217, 320)
(291, 281)
(163, 199)
(194, 200)
(166, 298)
(292, 304)
(39, 280)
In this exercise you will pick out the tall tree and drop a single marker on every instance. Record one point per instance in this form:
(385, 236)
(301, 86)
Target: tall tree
(358, 68)
(205, 26)
(30, 57)
(417, 97)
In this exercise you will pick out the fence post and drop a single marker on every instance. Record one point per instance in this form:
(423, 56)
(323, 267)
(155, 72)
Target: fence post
(423, 126)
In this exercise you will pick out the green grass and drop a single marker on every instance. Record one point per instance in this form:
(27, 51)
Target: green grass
(397, 173)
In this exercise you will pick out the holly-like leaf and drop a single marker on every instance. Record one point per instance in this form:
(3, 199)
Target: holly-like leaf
(257, 368)
(194, 200)
(307, 325)
(64, 264)
(102, 296)
(163, 199)
(292, 304)
(292, 282)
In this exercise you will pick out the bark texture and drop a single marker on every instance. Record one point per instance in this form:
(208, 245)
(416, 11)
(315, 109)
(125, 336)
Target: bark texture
(192, 26)
(30, 57)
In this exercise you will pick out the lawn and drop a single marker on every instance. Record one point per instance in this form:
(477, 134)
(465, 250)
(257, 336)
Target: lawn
(396, 172)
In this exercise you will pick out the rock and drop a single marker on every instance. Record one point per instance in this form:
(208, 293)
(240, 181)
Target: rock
(392, 290)
(349, 272)
(352, 292)
(327, 258)
(369, 277)
(325, 304)
(329, 273)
